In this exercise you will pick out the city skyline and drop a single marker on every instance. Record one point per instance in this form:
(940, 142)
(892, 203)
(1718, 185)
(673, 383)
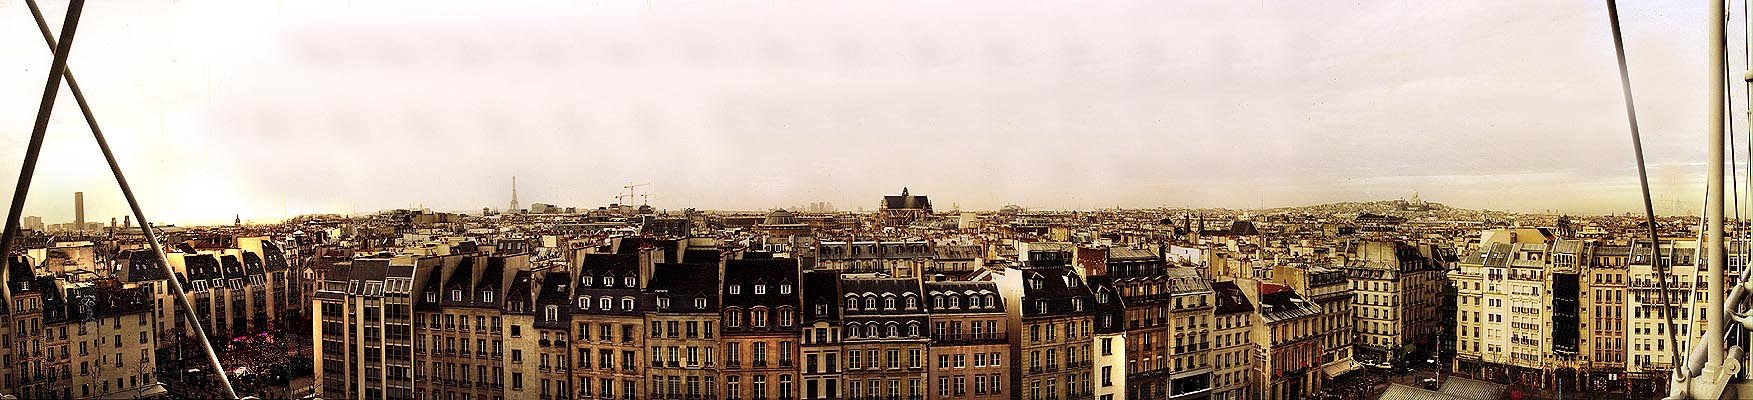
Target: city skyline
(337, 107)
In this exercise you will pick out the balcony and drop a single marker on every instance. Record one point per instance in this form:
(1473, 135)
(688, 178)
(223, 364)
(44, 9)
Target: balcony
(758, 364)
(733, 364)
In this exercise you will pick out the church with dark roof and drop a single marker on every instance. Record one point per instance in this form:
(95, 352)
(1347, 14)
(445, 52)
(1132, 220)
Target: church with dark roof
(904, 209)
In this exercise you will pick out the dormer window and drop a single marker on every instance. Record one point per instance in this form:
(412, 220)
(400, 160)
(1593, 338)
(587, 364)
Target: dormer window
(851, 304)
(1077, 304)
(583, 302)
(785, 289)
(953, 302)
(912, 303)
(889, 303)
(487, 297)
(456, 295)
(1035, 284)
(552, 313)
(627, 304)
(605, 303)
(608, 282)
(760, 289)
(821, 309)
(758, 318)
(587, 281)
(700, 303)
(1041, 306)
(431, 297)
(1102, 298)
(663, 303)
(630, 282)
(736, 289)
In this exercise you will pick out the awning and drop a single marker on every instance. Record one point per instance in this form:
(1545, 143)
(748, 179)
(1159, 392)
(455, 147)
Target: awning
(1334, 370)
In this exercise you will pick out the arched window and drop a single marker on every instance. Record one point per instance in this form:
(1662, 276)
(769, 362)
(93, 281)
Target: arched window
(894, 330)
(851, 304)
(912, 302)
(912, 329)
(852, 330)
(758, 318)
(870, 330)
(888, 302)
(870, 302)
(953, 302)
(936, 301)
(989, 302)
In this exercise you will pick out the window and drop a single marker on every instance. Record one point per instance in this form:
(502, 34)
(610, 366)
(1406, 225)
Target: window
(851, 304)
(552, 313)
(736, 289)
(760, 289)
(758, 318)
(663, 303)
(700, 302)
(487, 297)
(785, 289)
(456, 295)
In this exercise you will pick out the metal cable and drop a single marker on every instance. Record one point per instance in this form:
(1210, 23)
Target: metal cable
(133, 203)
(1643, 180)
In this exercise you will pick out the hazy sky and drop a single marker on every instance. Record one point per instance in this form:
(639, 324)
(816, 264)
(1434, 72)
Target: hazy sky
(268, 108)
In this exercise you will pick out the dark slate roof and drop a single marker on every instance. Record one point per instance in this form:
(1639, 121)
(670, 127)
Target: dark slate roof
(772, 272)
(202, 267)
(1230, 299)
(966, 291)
(1059, 286)
(232, 269)
(460, 279)
(1110, 315)
(21, 277)
(520, 292)
(108, 302)
(273, 259)
(906, 201)
(143, 266)
(683, 282)
(593, 269)
(465, 247)
(1278, 303)
(819, 289)
(368, 270)
(880, 288)
(555, 291)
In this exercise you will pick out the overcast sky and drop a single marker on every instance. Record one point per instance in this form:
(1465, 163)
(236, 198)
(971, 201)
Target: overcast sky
(266, 109)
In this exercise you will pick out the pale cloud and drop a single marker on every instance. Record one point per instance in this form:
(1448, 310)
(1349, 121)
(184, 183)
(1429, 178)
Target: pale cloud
(267, 108)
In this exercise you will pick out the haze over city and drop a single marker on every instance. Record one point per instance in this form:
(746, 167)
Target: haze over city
(266, 109)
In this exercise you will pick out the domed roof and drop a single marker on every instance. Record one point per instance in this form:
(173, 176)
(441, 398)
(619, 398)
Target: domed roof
(780, 217)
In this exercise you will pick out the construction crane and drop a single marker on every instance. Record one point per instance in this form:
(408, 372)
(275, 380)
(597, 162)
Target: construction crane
(630, 193)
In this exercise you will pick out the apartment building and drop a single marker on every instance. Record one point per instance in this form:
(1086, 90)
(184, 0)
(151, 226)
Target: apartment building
(1053, 316)
(1287, 332)
(1191, 311)
(1233, 350)
(822, 340)
(969, 341)
(1138, 276)
(1500, 305)
(886, 340)
(1109, 344)
(761, 305)
(1650, 352)
(1331, 290)
(608, 319)
(1604, 307)
(686, 295)
(1397, 292)
(362, 330)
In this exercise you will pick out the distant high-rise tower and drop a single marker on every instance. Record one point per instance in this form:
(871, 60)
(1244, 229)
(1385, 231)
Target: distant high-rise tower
(514, 206)
(79, 212)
